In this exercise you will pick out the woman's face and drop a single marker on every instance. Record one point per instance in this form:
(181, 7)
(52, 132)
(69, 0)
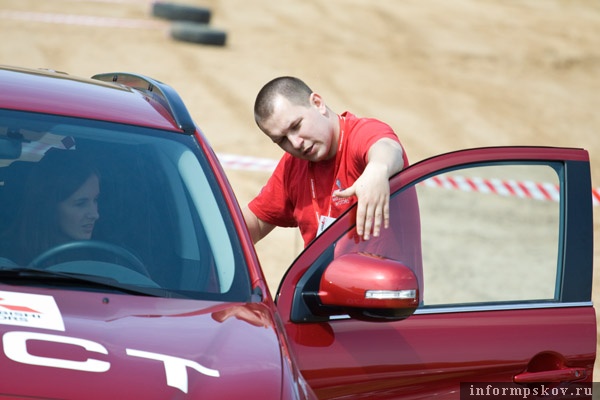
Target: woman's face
(78, 213)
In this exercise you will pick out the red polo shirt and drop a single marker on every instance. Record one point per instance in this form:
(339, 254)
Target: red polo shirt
(287, 198)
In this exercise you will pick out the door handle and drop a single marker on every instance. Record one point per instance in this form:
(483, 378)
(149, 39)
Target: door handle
(558, 375)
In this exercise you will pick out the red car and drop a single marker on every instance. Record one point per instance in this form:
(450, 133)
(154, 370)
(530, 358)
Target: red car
(126, 269)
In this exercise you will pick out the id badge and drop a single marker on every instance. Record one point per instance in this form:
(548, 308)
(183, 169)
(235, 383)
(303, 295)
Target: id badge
(324, 222)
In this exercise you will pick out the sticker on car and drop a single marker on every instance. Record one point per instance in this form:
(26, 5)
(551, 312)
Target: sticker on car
(30, 310)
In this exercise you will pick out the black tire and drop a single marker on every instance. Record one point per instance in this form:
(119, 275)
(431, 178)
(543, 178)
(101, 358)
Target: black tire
(181, 12)
(198, 33)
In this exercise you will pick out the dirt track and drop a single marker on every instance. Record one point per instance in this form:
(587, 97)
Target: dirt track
(445, 75)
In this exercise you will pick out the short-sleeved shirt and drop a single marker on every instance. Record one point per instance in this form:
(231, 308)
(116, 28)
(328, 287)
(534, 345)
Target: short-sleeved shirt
(300, 192)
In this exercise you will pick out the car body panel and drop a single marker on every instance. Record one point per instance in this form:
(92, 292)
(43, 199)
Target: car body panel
(427, 356)
(70, 96)
(197, 347)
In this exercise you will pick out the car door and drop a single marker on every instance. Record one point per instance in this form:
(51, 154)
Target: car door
(499, 243)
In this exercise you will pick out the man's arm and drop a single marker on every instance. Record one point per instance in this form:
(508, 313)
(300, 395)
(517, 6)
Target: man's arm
(372, 188)
(257, 227)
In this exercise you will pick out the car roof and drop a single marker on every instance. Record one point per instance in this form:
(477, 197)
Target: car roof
(58, 93)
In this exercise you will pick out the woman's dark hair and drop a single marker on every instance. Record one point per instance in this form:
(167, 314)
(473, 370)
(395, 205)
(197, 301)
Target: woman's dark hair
(54, 178)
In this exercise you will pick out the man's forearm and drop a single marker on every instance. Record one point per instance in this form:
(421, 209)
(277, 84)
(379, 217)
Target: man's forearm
(258, 229)
(388, 153)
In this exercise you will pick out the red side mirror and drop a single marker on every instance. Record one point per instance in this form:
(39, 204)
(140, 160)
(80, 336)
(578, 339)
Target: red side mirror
(370, 287)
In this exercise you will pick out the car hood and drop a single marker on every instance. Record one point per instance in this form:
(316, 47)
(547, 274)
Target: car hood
(73, 345)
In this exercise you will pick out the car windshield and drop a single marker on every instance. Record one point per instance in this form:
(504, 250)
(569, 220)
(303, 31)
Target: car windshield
(130, 205)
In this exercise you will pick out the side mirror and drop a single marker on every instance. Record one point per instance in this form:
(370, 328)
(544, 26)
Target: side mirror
(369, 287)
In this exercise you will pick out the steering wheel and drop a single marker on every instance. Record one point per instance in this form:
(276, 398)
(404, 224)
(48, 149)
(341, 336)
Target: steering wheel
(132, 260)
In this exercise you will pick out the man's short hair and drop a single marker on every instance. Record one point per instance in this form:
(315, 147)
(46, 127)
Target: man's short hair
(292, 88)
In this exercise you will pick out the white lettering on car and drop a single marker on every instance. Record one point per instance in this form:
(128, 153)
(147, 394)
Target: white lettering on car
(175, 368)
(15, 348)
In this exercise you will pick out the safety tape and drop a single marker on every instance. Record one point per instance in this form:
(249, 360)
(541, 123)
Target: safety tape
(512, 188)
(522, 189)
(87, 20)
(233, 161)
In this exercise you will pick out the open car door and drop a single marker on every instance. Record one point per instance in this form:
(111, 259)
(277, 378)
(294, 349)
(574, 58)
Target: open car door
(483, 278)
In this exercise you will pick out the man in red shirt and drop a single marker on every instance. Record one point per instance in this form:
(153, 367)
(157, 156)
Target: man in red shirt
(331, 162)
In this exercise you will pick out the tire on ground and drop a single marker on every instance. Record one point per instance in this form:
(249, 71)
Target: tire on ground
(197, 33)
(181, 12)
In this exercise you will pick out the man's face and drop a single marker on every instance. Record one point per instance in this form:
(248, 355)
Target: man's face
(304, 132)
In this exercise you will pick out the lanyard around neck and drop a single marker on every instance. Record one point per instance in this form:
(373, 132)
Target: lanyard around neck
(313, 186)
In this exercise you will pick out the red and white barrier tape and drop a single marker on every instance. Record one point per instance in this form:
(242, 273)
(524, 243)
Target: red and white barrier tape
(522, 189)
(525, 189)
(233, 161)
(87, 20)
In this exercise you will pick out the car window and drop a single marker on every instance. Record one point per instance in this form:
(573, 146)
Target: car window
(490, 234)
(475, 235)
(158, 205)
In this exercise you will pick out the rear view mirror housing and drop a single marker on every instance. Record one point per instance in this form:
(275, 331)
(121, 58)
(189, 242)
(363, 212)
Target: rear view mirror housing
(366, 287)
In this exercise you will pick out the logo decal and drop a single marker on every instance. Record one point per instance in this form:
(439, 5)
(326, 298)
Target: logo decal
(31, 310)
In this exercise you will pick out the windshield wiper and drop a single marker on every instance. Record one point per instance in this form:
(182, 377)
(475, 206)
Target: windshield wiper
(20, 275)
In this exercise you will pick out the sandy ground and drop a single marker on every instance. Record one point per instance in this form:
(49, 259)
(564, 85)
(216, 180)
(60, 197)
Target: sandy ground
(445, 74)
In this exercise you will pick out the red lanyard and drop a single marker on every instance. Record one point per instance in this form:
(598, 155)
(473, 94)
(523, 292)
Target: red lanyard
(313, 186)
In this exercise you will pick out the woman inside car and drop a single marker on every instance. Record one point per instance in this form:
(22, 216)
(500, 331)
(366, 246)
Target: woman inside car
(60, 205)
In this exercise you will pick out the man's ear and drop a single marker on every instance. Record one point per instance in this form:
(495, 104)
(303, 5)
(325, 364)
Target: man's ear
(317, 101)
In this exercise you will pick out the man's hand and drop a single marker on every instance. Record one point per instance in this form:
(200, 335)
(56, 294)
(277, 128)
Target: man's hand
(372, 188)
